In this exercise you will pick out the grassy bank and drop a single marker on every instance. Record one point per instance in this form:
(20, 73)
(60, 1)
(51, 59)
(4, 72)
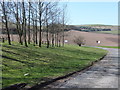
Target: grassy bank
(34, 65)
(111, 47)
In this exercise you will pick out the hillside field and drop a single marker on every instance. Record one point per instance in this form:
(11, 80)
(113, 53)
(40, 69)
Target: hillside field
(91, 38)
(115, 32)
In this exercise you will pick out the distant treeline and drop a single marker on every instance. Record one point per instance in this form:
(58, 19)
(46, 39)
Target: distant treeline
(85, 28)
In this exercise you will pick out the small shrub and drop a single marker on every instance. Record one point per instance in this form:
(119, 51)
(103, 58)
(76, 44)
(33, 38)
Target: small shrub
(79, 40)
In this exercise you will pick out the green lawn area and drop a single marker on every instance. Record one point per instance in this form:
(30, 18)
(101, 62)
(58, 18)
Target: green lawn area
(43, 63)
(110, 47)
(110, 32)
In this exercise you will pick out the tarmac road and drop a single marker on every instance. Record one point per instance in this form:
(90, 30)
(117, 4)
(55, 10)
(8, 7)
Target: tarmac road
(103, 74)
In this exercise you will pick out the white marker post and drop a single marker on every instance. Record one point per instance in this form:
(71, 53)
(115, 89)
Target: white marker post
(66, 41)
(98, 42)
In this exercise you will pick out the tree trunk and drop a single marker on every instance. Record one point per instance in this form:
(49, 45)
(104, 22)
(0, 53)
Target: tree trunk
(25, 34)
(20, 36)
(47, 37)
(33, 34)
(79, 44)
(40, 22)
(24, 24)
(63, 37)
(29, 26)
(52, 40)
(47, 28)
(18, 26)
(6, 23)
(36, 30)
(40, 33)
(59, 43)
(57, 40)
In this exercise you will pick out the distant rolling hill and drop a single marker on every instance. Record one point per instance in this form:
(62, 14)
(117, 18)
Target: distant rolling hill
(97, 28)
(112, 27)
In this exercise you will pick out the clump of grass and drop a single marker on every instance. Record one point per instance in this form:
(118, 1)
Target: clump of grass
(35, 65)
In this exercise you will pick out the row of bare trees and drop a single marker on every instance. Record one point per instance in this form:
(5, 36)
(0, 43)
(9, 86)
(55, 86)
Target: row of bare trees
(32, 20)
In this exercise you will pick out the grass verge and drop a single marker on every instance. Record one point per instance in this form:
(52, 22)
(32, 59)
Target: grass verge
(36, 65)
(111, 47)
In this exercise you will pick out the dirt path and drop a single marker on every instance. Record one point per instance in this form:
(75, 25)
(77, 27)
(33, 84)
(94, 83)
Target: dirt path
(103, 74)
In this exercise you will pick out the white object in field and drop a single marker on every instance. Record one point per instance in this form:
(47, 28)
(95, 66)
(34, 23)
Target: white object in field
(98, 42)
(66, 41)
(26, 74)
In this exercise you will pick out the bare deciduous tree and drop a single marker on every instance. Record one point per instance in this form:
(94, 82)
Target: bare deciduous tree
(79, 40)
(24, 23)
(5, 13)
(31, 19)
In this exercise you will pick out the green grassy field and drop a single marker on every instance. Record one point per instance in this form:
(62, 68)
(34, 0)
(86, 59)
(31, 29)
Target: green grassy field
(109, 32)
(110, 47)
(42, 64)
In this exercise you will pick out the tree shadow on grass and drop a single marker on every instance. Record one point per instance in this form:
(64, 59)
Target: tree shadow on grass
(30, 55)
(27, 63)
(12, 47)
(24, 50)
(10, 52)
(38, 53)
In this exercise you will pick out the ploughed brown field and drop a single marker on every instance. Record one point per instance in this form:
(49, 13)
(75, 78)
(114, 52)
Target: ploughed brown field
(89, 37)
